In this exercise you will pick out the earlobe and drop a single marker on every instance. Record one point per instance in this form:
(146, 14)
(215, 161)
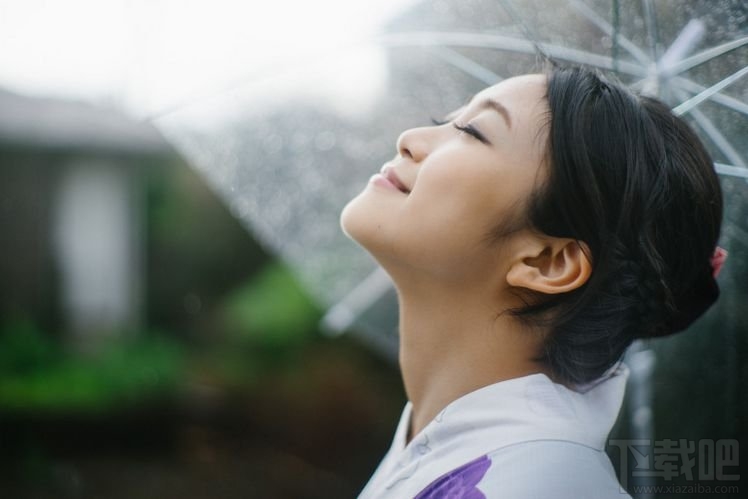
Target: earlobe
(560, 266)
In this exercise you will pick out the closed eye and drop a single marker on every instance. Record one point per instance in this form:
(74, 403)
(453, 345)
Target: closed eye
(471, 130)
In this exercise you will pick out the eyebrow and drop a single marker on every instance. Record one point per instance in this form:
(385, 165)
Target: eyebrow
(499, 108)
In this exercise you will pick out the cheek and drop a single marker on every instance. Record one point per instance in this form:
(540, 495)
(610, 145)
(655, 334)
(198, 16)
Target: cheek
(457, 216)
(462, 203)
(447, 219)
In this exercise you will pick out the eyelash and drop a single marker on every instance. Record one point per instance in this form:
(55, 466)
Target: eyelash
(468, 129)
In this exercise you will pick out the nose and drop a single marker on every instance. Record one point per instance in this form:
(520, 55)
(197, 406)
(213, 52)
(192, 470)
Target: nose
(413, 144)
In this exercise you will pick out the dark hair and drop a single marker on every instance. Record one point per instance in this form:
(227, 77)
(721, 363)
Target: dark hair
(635, 184)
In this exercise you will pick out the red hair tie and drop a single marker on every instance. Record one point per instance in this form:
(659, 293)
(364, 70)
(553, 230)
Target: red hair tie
(718, 259)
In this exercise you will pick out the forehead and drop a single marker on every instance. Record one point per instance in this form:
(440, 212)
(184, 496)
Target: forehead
(525, 99)
(524, 96)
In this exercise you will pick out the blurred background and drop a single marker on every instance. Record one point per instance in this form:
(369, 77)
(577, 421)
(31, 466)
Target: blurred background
(180, 314)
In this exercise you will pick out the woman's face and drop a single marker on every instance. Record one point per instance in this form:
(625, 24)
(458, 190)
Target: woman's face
(458, 181)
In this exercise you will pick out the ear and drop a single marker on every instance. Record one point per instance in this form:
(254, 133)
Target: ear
(551, 266)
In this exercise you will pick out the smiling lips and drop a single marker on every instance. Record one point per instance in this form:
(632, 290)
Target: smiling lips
(388, 172)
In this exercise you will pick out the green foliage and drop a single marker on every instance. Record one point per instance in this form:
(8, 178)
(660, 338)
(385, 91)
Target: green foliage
(271, 310)
(38, 374)
(24, 350)
(266, 323)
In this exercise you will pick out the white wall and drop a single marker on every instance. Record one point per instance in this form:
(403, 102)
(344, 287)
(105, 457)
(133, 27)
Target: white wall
(97, 244)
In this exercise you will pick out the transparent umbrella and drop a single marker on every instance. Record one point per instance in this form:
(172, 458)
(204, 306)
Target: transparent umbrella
(696, 60)
(290, 145)
(286, 158)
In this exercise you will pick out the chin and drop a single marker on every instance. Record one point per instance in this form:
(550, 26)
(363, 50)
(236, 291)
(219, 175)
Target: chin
(354, 219)
(364, 220)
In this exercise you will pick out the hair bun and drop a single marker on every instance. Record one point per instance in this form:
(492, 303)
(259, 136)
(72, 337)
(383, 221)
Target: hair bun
(690, 306)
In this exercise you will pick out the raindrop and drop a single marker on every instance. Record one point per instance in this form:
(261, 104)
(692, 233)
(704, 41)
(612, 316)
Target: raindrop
(299, 140)
(240, 208)
(324, 141)
(272, 144)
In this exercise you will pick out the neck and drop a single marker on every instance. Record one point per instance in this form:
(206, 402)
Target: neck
(453, 340)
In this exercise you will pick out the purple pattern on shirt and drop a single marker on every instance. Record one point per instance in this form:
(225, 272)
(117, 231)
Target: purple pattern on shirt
(459, 483)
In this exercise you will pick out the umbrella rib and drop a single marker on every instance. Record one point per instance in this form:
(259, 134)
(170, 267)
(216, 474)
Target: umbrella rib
(509, 43)
(687, 40)
(704, 56)
(606, 28)
(466, 64)
(717, 138)
(651, 22)
(731, 171)
(725, 100)
(488, 77)
(342, 315)
(714, 133)
(509, 8)
(697, 99)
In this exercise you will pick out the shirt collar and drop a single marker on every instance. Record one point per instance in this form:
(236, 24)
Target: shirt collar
(530, 407)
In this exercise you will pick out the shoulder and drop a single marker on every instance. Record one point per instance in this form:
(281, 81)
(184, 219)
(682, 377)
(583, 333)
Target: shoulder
(551, 468)
(536, 469)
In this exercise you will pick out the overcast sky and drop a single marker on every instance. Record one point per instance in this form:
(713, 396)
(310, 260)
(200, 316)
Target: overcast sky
(145, 56)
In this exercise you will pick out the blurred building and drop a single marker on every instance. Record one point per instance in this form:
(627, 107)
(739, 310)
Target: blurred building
(71, 212)
(105, 229)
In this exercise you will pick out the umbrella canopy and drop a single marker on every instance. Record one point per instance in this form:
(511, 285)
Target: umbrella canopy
(286, 154)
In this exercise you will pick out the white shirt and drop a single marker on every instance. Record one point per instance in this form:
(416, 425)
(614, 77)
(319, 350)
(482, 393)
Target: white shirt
(521, 438)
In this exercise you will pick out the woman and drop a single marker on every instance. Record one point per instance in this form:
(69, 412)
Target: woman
(531, 238)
